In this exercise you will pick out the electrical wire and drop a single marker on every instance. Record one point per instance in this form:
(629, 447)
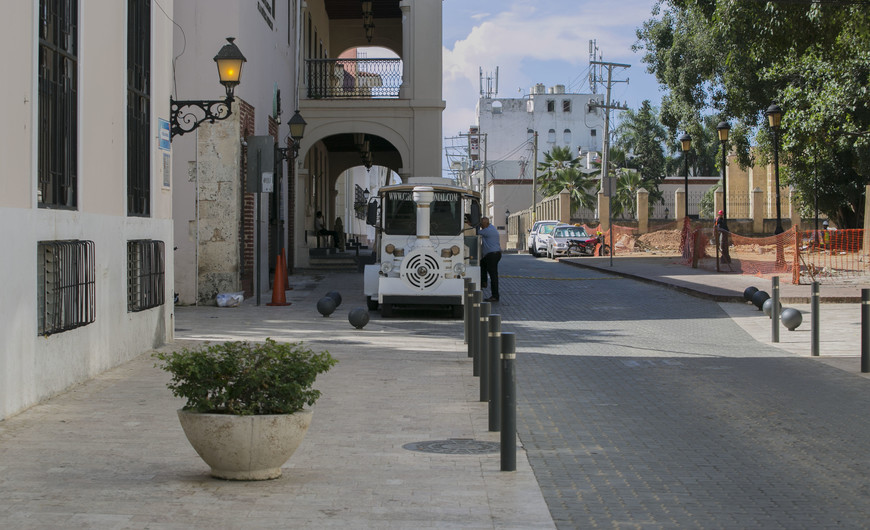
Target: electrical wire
(183, 47)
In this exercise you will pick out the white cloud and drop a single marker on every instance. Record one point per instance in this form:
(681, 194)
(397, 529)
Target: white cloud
(534, 42)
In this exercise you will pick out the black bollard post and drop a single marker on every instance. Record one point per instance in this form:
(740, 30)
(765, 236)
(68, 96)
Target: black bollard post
(494, 369)
(774, 310)
(814, 306)
(865, 331)
(508, 402)
(482, 355)
(474, 343)
(466, 306)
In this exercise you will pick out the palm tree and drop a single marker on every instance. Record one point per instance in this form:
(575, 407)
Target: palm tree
(628, 183)
(560, 171)
(580, 186)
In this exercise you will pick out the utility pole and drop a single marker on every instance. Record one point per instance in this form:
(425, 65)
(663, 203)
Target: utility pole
(605, 155)
(535, 181)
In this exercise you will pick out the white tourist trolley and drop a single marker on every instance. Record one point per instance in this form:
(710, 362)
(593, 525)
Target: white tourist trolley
(424, 248)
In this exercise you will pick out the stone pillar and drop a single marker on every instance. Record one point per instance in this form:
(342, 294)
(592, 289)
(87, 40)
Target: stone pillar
(680, 204)
(565, 206)
(604, 211)
(642, 211)
(756, 207)
(219, 154)
(718, 201)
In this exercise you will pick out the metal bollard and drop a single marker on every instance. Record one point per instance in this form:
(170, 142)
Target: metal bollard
(865, 331)
(483, 337)
(494, 369)
(814, 309)
(466, 305)
(508, 402)
(774, 310)
(476, 297)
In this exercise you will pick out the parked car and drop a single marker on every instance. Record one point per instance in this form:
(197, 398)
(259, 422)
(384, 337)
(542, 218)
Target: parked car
(537, 236)
(568, 240)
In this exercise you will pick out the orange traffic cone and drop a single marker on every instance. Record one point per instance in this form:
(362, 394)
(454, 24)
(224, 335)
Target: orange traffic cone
(280, 282)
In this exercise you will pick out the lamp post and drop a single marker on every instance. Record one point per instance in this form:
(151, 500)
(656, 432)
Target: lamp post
(774, 116)
(723, 128)
(686, 145)
(186, 115)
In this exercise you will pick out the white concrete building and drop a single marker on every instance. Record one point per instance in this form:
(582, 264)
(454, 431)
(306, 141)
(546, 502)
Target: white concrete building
(508, 125)
(86, 204)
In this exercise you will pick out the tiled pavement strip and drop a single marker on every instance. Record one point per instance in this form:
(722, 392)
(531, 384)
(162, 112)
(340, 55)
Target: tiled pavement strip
(110, 453)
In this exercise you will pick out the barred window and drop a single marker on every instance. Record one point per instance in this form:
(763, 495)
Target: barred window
(66, 281)
(145, 274)
(139, 107)
(551, 105)
(57, 159)
(566, 105)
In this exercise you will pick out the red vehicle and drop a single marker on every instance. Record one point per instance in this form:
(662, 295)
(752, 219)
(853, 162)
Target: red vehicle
(586, 246)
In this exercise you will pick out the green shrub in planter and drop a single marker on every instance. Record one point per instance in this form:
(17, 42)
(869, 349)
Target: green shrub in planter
(243, 378)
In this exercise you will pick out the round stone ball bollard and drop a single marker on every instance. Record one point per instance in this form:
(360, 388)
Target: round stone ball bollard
(358, 317)
(326, 306)
(335, 295)
(791, 318)
(767, 307)
(759, 298)
(748, 292)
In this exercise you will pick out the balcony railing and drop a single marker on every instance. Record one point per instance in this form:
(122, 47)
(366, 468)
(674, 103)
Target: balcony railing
(354, 78)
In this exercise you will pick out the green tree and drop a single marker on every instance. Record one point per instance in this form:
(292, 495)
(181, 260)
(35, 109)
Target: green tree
(560, 170)
(736, 58)
(628, 183)
(641, 134)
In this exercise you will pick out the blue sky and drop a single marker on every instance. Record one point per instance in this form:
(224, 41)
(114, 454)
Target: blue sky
(531, 42)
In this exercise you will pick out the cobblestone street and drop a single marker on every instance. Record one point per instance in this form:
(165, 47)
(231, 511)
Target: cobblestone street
(643, 407)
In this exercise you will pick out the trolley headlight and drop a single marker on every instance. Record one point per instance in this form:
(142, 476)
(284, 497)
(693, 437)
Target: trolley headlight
(459, 269)
(389, 248)
(387, 267)
(454, 250)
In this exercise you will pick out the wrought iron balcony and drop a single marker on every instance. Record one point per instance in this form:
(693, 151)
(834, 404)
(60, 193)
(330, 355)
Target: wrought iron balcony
(353, 78)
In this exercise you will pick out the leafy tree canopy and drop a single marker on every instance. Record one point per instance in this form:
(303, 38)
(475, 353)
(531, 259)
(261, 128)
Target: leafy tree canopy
(735, 58)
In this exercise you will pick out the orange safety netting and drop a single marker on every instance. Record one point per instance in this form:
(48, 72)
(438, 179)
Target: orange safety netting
(830, 256)
(624, 237)
(758, 256)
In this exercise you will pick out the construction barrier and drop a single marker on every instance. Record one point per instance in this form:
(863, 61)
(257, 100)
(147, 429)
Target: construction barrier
(830, 257)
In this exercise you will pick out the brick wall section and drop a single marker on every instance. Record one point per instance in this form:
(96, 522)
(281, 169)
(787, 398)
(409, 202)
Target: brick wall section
(246, 230)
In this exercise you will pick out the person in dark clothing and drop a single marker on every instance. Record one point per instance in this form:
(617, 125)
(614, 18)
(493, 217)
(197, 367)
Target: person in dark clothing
(722, 232)
(491, 251)
(321, 230)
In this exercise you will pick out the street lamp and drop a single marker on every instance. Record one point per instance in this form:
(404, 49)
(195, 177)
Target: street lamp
(186, 115)
(686, 145)
(723, 128)
(774, 116)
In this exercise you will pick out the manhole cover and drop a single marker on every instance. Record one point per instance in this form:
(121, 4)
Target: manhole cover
(454, 446)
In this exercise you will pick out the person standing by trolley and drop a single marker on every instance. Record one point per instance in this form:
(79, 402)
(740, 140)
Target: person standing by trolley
(491, 251)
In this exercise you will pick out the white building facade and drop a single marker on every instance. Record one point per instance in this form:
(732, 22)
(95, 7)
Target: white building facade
(507, 128)
(86, 204)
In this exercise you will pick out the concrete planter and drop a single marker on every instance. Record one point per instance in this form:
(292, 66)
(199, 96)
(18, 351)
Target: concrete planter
(245, 447)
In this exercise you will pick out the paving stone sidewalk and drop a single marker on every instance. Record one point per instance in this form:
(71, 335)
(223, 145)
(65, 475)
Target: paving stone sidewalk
(111, 454)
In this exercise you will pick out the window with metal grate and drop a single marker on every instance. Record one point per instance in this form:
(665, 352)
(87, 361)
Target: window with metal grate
(146, 273)
(66, 285)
